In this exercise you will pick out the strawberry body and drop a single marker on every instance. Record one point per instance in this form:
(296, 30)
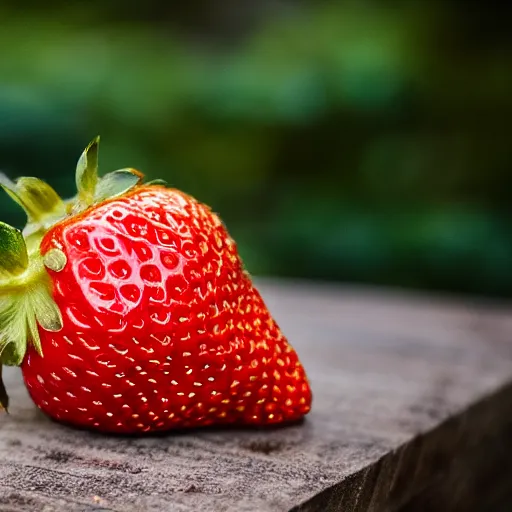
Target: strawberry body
(162, 326)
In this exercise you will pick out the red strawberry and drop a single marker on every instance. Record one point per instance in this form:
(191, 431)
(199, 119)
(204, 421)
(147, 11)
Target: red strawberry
(138, 311)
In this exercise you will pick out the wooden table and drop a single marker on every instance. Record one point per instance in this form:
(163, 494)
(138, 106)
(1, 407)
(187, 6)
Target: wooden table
(412, 412)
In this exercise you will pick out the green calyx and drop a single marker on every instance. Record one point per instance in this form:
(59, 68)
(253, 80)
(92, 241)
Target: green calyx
(25, 297)
(41, 203)
(92, 189)
(26, 302)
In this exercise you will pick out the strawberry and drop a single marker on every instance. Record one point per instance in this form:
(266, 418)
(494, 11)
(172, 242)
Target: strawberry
(129, 310)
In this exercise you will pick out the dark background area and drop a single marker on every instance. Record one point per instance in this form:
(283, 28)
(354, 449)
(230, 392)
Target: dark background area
(352, 141)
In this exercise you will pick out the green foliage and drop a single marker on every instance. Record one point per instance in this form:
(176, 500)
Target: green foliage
(348, 143)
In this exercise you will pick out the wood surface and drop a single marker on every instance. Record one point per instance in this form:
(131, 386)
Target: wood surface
(412, 412)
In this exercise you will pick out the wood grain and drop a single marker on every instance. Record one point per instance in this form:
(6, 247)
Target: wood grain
(412, 412)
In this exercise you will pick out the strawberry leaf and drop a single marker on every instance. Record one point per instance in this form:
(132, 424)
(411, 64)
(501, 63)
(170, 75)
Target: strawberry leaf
(26, 301)
(116, 183)
(46, 312)
(157, 182)
(22, 313)
(40, 198)
(13, 252)
(13, 335)
(8, 355)
(87, 173)
(36, 197)
(10, 188)
(40, 202)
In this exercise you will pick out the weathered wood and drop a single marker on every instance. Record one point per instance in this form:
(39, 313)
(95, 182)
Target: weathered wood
(412, 412)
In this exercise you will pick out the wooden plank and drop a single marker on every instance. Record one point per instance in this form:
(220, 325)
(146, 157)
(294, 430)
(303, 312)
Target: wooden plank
(412, 401)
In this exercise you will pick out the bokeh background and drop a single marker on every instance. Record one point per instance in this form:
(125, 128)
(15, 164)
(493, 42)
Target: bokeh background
(353, 141)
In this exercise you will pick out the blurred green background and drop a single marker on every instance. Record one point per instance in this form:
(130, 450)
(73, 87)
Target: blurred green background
(353, 141)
